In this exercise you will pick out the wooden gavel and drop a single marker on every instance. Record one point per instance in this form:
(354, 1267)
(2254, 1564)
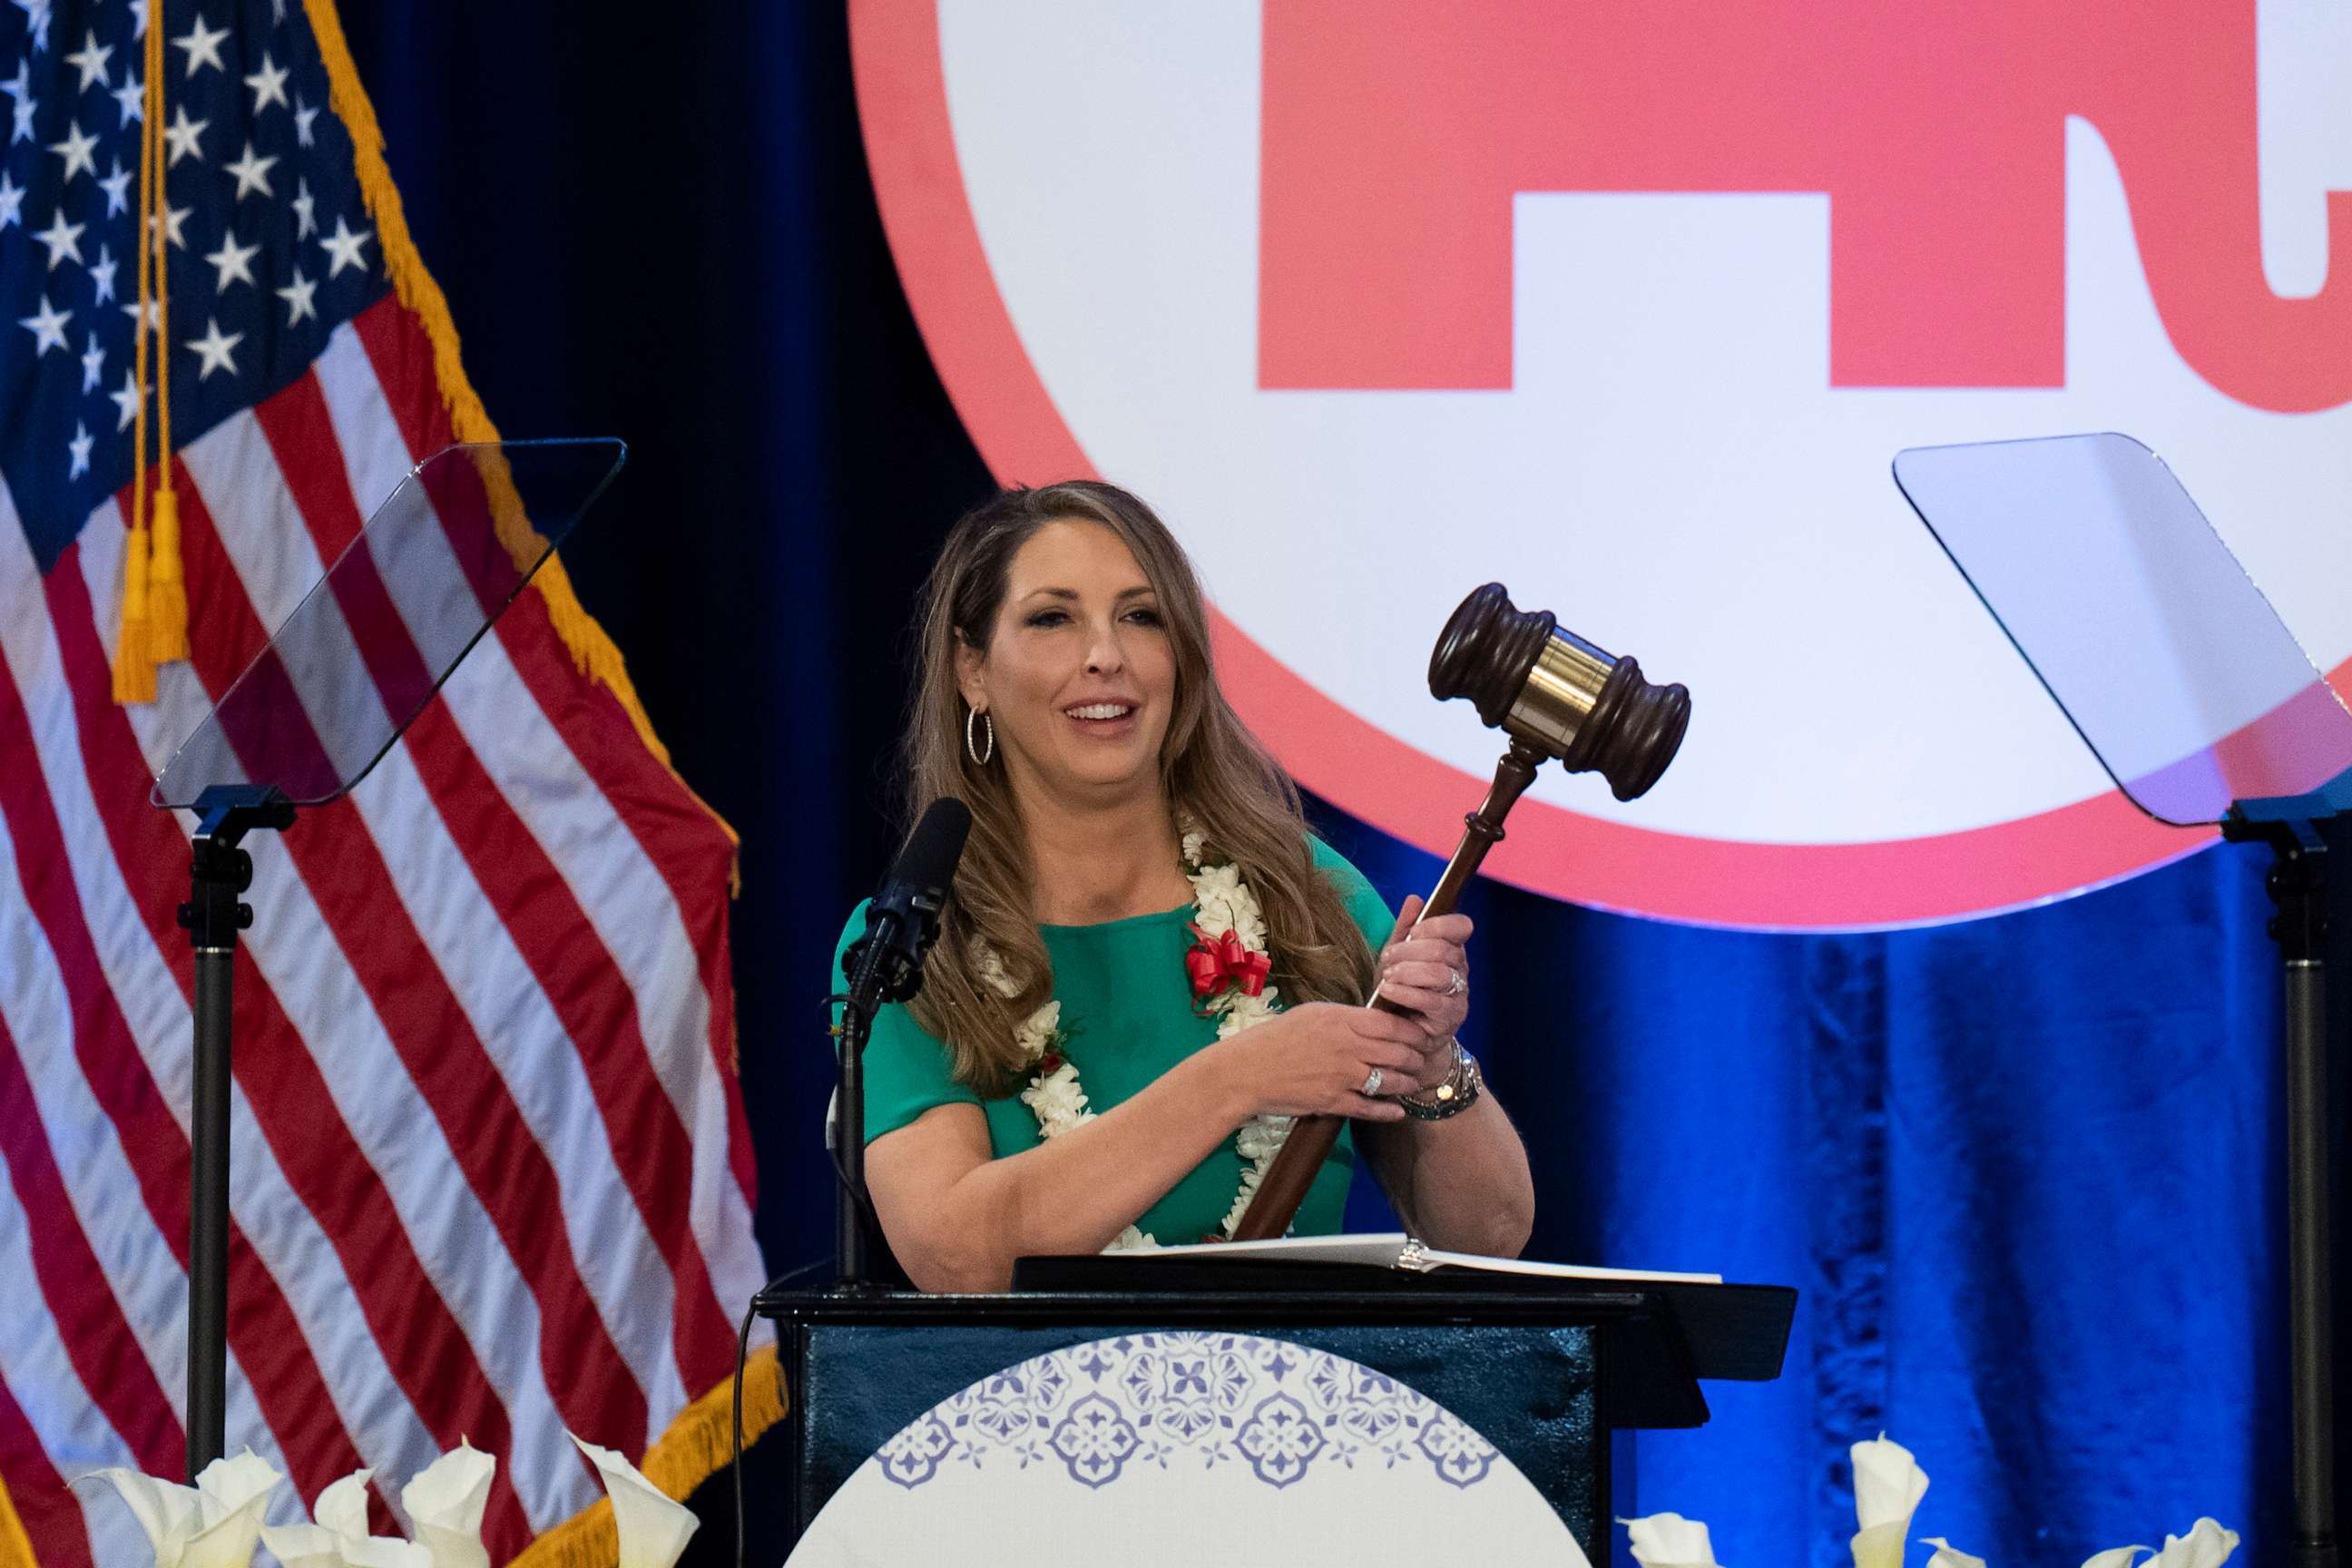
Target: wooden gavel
(1555, 694)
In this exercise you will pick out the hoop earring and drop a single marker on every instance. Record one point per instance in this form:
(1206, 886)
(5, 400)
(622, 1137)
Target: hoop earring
(971, 748)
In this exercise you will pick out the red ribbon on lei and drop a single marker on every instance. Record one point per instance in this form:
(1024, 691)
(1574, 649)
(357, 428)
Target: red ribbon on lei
(1211, 962)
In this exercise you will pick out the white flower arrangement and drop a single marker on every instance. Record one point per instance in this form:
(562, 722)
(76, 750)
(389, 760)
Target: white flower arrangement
(1888, 1485)
(217, 1523)
(1670, 1541)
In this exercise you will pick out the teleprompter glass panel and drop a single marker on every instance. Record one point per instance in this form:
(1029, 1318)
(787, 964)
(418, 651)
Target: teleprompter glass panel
(2138, 620)
(357, 659)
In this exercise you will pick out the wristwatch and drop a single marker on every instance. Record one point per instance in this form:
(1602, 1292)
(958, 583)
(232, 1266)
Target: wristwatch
(1451, 1098)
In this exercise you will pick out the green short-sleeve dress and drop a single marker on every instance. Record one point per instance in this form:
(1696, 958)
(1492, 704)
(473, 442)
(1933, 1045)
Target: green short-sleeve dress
(1127, 1009)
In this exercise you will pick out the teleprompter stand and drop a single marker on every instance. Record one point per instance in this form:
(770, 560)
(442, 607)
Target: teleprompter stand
(2297, 884)
(2205, 711)
(349, 669)
(214, 914)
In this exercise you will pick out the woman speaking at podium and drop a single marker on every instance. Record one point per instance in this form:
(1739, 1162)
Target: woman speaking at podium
(1147, 963)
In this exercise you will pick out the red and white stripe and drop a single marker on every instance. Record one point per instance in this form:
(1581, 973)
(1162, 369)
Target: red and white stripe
(490, 1170)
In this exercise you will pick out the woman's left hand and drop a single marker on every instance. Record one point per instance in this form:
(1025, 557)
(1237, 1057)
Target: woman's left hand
(1426, 971)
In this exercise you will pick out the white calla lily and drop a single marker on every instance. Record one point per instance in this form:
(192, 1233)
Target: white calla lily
(166, 1512)
(387, 1551)
(343, 1506)
(2206, 1545)
(445, 1502)
(216, 1523)
(338, 1536)
(1888, 1485)
(654, 1528)
(316, 1546)
(1670, 1541)
(304, 1546)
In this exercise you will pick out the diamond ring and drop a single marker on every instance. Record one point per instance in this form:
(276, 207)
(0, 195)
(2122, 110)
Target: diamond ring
(1459, 985)
(1372, 1083)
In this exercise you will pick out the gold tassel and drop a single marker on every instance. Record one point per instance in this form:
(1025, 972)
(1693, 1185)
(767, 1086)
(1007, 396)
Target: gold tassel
(695, 1447)
(134, 654)
(134, 643)
(167, 587)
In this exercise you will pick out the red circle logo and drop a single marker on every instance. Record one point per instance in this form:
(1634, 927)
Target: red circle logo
(1376, 301)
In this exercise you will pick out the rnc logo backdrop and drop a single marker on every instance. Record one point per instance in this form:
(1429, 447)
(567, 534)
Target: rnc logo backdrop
(1628, 306)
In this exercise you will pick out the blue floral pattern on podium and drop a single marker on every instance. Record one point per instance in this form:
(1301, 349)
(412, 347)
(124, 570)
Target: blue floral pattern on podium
(1280, 1440)
(1095, 1441)
(1279, 1411)
(913, 1456)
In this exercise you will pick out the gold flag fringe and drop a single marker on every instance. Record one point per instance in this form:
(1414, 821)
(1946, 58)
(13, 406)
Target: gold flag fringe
(695, 1447)
(15, 1546)
(591, 650)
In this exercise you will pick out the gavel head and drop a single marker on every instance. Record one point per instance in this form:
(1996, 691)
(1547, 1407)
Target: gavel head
(1557, 693)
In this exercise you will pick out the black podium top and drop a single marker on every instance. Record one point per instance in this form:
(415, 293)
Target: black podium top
(1659, 1339)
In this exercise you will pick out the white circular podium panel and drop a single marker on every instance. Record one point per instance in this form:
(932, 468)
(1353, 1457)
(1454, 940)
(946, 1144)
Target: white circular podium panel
(1185, 1448)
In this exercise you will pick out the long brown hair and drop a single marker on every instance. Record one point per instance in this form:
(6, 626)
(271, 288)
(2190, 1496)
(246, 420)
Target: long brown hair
(1218, 779)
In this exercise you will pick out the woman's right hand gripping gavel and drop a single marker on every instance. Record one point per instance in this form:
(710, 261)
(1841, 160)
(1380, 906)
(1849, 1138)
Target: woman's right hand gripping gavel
(1317, 1059)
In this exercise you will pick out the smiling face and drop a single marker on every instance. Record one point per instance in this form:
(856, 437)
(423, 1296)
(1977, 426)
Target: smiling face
(1078, 675)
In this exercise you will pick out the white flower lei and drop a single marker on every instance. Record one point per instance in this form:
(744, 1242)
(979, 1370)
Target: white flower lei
(1221, 903)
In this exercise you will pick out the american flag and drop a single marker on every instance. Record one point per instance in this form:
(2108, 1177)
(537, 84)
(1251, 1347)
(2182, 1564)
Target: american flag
(490, 1175)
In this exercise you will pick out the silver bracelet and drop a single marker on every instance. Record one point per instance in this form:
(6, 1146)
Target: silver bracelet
(1455, 1095)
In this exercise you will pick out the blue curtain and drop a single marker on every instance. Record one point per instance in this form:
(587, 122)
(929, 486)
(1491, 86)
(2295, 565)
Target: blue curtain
(2025, 1172)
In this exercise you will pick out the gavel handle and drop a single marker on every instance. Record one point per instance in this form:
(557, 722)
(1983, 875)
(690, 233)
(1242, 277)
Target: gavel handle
(1311, 1139)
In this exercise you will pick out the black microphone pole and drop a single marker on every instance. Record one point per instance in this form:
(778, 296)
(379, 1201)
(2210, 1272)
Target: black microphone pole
(885, 964)
(849, 1126)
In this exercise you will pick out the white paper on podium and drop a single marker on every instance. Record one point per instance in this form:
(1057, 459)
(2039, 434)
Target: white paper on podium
(1395, 1250)
(1169, 1450)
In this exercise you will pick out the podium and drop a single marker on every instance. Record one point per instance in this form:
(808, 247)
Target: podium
(1555, 1375)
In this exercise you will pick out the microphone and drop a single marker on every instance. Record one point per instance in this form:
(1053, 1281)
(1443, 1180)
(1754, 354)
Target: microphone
(885, 964)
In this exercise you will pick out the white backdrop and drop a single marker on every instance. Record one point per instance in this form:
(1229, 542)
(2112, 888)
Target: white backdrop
(1669, 468)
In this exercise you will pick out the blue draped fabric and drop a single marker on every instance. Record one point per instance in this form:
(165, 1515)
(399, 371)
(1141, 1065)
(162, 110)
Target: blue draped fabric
(2026, 1172)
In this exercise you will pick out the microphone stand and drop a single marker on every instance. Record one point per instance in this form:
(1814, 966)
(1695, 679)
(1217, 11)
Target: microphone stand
(850, 1265)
